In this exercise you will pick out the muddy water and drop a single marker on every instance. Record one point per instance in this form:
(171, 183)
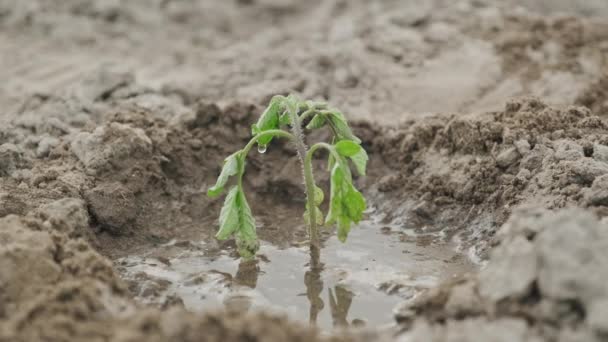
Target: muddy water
(359, 284)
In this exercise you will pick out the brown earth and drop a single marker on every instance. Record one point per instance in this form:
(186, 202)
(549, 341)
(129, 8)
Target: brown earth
(116, 117)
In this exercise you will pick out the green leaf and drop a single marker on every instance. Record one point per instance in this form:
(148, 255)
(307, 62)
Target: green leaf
(231, 168)
(229, 215)
(285, 119)
(348, 148)
(292, 103)
(246, 237)
(360, 160)
(319, 195)
(335, 202)
(268, 120)
(316, 122)
(346, 204)
(236, 219)
(341, 126)
(343, 229)
(354, 202)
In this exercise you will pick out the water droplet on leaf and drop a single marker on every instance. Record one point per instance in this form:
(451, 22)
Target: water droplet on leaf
(262, 148)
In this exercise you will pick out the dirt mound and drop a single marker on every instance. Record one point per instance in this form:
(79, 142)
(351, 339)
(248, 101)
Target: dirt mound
(472, 170)
(546, 280)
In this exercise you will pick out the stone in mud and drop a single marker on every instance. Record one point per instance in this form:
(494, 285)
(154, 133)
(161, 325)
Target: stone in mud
(11, 159)
(598, 193)
(511, 271)
(507, 157)
(113, 206)
(572, 256)
(67, 215)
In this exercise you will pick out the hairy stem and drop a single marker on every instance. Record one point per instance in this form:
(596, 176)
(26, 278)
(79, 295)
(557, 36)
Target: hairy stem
(309, 183)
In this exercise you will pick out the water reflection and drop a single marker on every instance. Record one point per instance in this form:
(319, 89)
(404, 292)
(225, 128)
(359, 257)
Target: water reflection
(340, 298)
(314, 287)
(339, 305)
(247, 273)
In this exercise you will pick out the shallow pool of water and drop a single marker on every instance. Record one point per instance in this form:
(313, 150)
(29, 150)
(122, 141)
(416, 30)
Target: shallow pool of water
(360, 282)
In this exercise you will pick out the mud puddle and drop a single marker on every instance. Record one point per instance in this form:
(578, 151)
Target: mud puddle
(360, 283)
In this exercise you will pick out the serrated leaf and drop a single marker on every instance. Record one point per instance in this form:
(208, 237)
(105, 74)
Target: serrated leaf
(360, 160)
(230, 168)
(229, 215)
(316, 122)
(347, 148)
(319, 195)
(267, 121)
(341, 126)
(346, 204)
(236, 219)
(246, 237)
(354, 202)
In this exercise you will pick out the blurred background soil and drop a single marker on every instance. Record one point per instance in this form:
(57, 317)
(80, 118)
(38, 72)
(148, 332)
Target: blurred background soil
(484, 119)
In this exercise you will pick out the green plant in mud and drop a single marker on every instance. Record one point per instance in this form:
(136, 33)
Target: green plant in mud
(283, 118)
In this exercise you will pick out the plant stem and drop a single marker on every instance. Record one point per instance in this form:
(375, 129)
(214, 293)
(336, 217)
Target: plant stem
(309, 183)
(319, 145)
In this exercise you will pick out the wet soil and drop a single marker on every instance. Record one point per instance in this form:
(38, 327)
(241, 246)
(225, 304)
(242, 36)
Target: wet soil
(486, 126)
(359, 282)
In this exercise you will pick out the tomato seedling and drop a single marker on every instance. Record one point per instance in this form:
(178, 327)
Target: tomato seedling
(283, 118)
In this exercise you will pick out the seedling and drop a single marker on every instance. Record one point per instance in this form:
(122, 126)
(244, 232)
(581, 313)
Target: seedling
(346, 204)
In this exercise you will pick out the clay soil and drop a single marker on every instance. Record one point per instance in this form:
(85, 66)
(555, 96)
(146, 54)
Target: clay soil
(486, 122)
